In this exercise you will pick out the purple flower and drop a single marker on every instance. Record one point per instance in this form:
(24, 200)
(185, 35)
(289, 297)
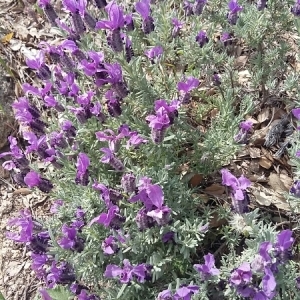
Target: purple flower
(284, 242)
(245, 127)
(160, 215)
(22, 111)
(295, 189)
(49, 11)
(296, 9)
(269, 283)
(74, 6)
(264, 252)
(57, 140)
(38, 263)
(110, 158)
(170, 108)
(226, 38)
(116, 17)
(70, 240)
(109, 219)
(204, 228)
(100, 3)
(298, 283)
(109, 245)
(202, 38)
(26, 225)
(186, 86)
(128, 272)
(186, 292)
(93, 65)
(150, 194)
(296, 113)
(261, 4)
(216, 79)
(112, 139)
(128, 183)
(108, 195)
(208, 269)
(44, 294)
(18, 158)
(238, 185)
(143, 221)
(158, 123)
(234, 8)
(129, 24)
(143, 8)
(56, 205)
(188, 7)
(33, 179)
(82, 174)
(177, 25)
(135, 140)
(166, 294)
(241, 275)
(37, 63)
(116, 21)
(39, 242)
(258, 264)
(154, 52)
(60, 274)
(168, 237)
(198, 7)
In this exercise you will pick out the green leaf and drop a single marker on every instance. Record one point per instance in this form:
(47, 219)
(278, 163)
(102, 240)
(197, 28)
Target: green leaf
(1, 296)
(59, 293)
(121, 290)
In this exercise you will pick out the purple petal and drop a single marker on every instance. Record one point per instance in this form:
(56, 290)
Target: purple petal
(112, 271)
(32, 179)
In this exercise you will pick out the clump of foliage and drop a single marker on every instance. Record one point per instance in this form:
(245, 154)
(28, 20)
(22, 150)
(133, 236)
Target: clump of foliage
(123, 94)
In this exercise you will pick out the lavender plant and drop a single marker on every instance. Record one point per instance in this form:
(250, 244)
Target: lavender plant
(122, 89)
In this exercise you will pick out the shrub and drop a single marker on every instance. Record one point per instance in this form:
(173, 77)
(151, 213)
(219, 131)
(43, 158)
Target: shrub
(119, 117)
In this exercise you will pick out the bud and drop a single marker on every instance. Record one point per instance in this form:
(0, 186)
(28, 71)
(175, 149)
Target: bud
(128, 183)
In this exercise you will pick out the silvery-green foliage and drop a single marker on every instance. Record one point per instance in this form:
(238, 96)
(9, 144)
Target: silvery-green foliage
(183, 145)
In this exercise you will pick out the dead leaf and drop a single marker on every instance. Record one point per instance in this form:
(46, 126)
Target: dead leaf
(211, 92)
(286, 180)
(15, 45)
(266, 197)
(216, 222)
(203, 197)
(254, 121)
(195, 180)
(215, 189)
(258, 136)
(244, 76)
(267, 154)
(256, 178)
(262, 198)
(254, 166)
(213, 113)
(22, 191)
(254, 152)
(276, 183)
(22, 31)
(4, 173)
(6, 39)
(240, 61)
(263, 115)
(265, 163)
